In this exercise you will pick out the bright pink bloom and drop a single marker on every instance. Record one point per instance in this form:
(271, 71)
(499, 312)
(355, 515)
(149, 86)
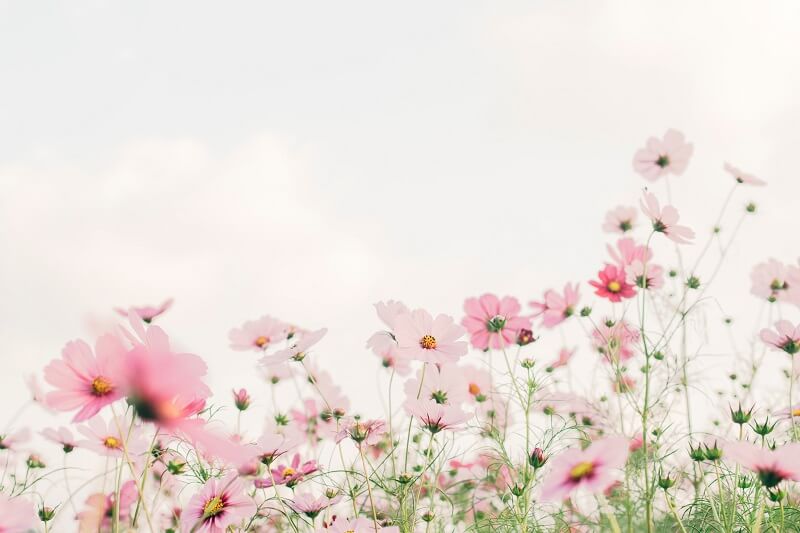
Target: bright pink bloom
(772, 466)
(621, 219)
(310, 505)
(493, 323)
(556, 308)
(436, 417)
(442, 385)
(219, 504)
(660, 157)
(594, 469)
(742, 177)
(258, 334)
(61, 436)
(421, 337)
(787, 337)
(615, 340)
(86, 382)
(147, 312)
(289, 475)
(665, 220)
(297, 351)
(564, 355)
(645, 276)
(17, 515)
(612, 284)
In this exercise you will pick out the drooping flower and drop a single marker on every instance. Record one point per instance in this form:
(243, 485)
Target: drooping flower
(310, 505)
(556, 307)
(147, 312)
(593, 470)
(17, 515)
(289, 475)
(661, 157)
(665, 220)
(219, 504)
(421, 337)
(436, 417)
(785, 337)
(621, 219)
(772, 466)
(83, 380)
(743, 177)
(492, 322)
(645, 276)
(297, 351)
(443, 385)
(258, 334)
(613, 285)
(61, 436)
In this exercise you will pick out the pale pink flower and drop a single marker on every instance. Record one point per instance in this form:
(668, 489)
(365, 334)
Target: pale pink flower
(627, 251)
(17, 515)
(387, 311)
(556, 307)
(61, 436)
(108, 438)
(219, 504)
(289, 475)
(12, 441)
(276, 441)
(274, 374)
(615, 340)
(773, 280)
(147, 312)
(334, 397)
(564, 356)
(310, 505)
(436, 417)
(391, 359)
(368, 431)
(621, 219)
(443, 385)
(297, 351)
(665, 220)
(743, 177)
(612, 284)
(356, 525)
(593, 470)
(772, 466)
(421, 337)
(661, 157)
(492, 322)
(98, 512)
(786, 337)
(258, 334)
(478, 383)
(84, 381)
(38, 394)
(645, 276)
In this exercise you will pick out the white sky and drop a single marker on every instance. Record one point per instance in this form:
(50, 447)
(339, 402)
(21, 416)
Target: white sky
(308, 159)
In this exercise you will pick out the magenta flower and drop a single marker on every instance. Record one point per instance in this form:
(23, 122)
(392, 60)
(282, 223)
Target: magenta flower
(786, 337)
(621, 219)
(594, 469)
(493, 323)
(147, 312)
(436, 417)
(17, 515)
(297, 351)
(772, 466)
(743, 177)
(421, 337)
(661, 157)
(289, 475)
(613, 284)
(556, 307)
(86, 382)
(219, 504)
(665, 220)
(258, 334)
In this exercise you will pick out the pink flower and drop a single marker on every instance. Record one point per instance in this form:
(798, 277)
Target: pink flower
(11, 441)
(594, 469)
(787, 337)
(297, 351)
(310, 505)
(442, 385)
(108, 438)
(367, 431)
(615, 340)
(660, 157)
(621, 219)
(98, 512)
(774, 280)
(645, 276)
(219, 504)
(289, 475)
(665, 220)
(627, 251)
(86, 382)
(61, 436)
(493, 323)
(147, 312)
(421, 337)
(387, 311)
(390, 358)
(772, 466)
(612, 284)
(17, 515)
(478, 383)
(276, 441)
(742, 177)
(436, 417)
(241, 399)
(258, 334)
(564, 355)
(557, 308)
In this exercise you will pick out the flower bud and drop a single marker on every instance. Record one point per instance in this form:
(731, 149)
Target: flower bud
(740, 416)
(537, 459)
(241, 399)
(525, 337)
(46, 514)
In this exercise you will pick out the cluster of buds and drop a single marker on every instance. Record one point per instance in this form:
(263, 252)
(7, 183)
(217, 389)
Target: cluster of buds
(704, 452)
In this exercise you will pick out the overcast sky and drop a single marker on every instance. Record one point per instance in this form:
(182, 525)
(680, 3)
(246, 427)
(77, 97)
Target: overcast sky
(308, 159)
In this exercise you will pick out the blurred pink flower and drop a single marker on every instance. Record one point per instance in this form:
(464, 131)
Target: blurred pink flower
(478, 383)
(786, 337)
(621, 219)
(436, 417)
(219, 504)
(387, 311)
(11, 441)
(660, 157)
(649, 276)
(492, 322)
(17, 515)
(98, 512)
(775, 281)
(310, 505)
(665, 220)
(289, 475)
(613, 285)
(61, 436)
(297, 351)
(594, 469)
(421, 337)
(564, 355)
(441, 385)
(367, 431)
(627, 251)
(772, 466)
(146, 312)
(109, 438)
(615, 340)
(556, 308)
(742, 177)
(355, 525)
(258, 334)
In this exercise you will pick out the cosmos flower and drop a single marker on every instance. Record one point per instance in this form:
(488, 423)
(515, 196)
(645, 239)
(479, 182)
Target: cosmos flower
(492, 322)
(556, 308)
(310, 505)
(665, 220)
(564, 356)
(786, 337)
(289, 475)
(661, 157)
(616, 340)
(99, 507)
(772, 466)
(743, 177)
(258, 334)
(621, 219)
(17, 515)
(219, 504)
(436, 417)
(108, 438)
(387, 311)
(442, 385)
(613, 285)
(773, 280)
(649, 276)
(12, 441)
(421, 337)
(61, 436)
(297, 351)
(367, 431)
(147, 312)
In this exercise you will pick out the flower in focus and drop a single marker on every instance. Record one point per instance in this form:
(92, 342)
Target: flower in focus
(61, 436)
(436, 417)
(147, 312)
(221, 503)
(661, 157)
(665, 220)
(387, 311)
(289, 475)
(556, 307)
(594, 469)
(421, 337)
(772, 466)
(621, 219)
(785, 337)
(83, 381)
(17, 515)
(297, 351)
(645, 276)
(492, 322)
(258, 334)
(743, 177)
(613, 285)
(310, 505)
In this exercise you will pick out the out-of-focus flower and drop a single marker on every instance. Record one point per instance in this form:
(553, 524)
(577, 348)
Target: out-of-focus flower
(310, 505)
(17, 515)
(367, 431)
(772, 466)
(774, 281)
(478, 383)
(61, 436)
(627, 252)
(297, 351)
(665, 220)
(258, 334)
(12, 441)
(786, 337)
(493, 322)
(743, 177)
(621, 219)
(355, 525)
(289, 475)
(594, 469)
(615, 340)
(436, 417)
(99, 507)
(147, 312)
(219, 504)
(556, 307)
(661, 157)
(421, 337)
(613, 285)
(109, 438)
(387, 311)
(443, 385)
(241, 399)
(645, 276)
(564, 356)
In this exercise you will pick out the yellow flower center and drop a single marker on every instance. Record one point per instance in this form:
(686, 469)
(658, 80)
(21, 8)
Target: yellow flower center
(261, 341)
(111, 443)
(614, 286)
(474, 389)
(288, 472)
(796, 412)
(581, 470)
(101, 386)
(213, 507)
(428, 342)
